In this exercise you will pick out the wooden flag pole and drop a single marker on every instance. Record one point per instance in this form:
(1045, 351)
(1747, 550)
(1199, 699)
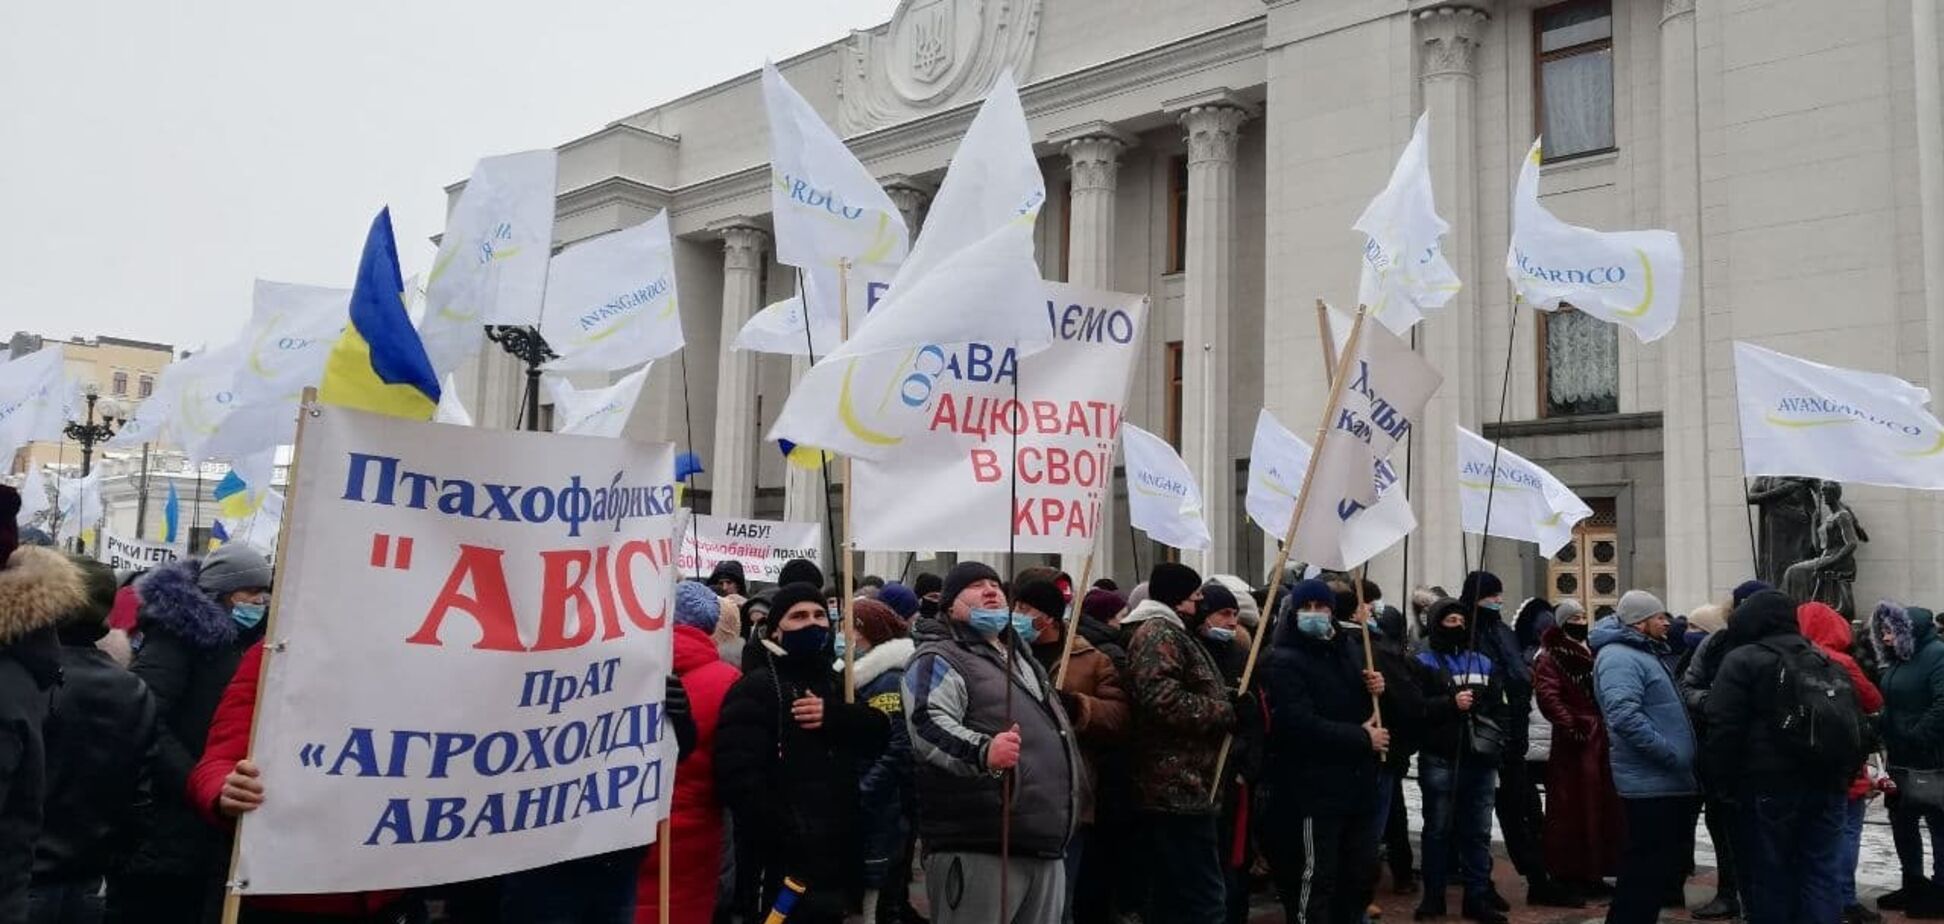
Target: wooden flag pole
(1370, 656)
(1328, 337)
(1338, 379)
(1073, 620)
(661, 840)
(306, 409)
(844, 463)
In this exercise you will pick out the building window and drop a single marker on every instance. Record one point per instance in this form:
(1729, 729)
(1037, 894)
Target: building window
(121, 384)
(1573, 77)
(145, 386)
(1173, 421)
(1579, 364)
(1178, 214)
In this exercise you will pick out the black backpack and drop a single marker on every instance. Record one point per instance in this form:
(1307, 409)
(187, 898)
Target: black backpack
(1818, 719)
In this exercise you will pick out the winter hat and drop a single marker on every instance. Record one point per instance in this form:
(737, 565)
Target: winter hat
(1172, 583)
(1768, 612)
(1709, 618)
(1481, 585)
(89, 620)
(1311, 591)
(800, 571)
(963, 575)
(234, 566)
(927, 583)
(1216, 597)
(695, 605)
(1747, 589)
(756, 609)
(730, 570)
(9, 529)
(1565, 610)
(1102, 605)
(1040, 594)
(900, 599)
(1138, 595)
(1106, 584)
(790, 595)
(728, 620)
(877, 623)
(1637, 606)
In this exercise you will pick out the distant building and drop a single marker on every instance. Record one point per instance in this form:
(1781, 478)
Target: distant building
(124, 371)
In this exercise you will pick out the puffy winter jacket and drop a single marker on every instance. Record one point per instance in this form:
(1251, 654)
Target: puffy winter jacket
(36, 587)
(1913, 687)
(1647, 725)
(1320, 758)
(1444, 674)
(1181, 712)
(1744, 746)
(101, 748)
(885, 790)
(1497, 641)
(695, 821)
(229, 742)
(1828, 630)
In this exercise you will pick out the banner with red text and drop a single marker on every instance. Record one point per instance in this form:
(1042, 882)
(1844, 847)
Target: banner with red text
(468, 657)
(761, 546)
(950, 484)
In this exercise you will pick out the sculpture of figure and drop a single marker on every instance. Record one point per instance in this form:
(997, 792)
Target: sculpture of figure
(1788, 518)
(1828, 577)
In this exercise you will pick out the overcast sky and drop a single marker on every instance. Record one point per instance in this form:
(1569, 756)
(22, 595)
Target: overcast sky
(157, 157)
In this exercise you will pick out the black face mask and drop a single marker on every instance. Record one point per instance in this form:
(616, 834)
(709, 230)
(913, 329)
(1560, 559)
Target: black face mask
(1575, 631)
(1449, 638)
(928, 607)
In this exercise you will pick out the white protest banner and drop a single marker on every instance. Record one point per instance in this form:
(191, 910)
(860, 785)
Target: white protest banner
(1526, 502)
(761, 546)
(134, 554)
(952, 479)
(597, 411)
(1162, 497)
(1629, 278)
(1404, 268)
(33, 395)
(611, 300)
(472, 643)
(1277, 461)
(1804, 418)
(492, 261)
(779, 327)
(826, 206)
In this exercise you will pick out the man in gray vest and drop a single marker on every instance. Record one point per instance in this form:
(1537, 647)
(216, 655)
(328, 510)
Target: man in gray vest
(983, 715)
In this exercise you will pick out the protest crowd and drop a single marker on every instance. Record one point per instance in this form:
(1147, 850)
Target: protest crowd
(1141, 780)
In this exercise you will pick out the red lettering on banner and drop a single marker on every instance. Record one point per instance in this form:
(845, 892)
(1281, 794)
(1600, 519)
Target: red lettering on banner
(624, 568)
(985, 466)
(562, 574)
(489, 605)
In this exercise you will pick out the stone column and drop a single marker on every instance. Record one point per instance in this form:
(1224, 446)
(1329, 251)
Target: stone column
(1448, 39)
(1213, 123)
(1926, 54)
(732, 469)
(911, 196)
(1690, 572)
(1093, 164)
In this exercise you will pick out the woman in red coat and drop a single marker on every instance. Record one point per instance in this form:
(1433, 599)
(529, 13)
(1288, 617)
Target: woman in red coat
(1583, 830)
(696, 821)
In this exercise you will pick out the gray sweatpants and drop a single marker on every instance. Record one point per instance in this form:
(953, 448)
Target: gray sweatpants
(963, 888)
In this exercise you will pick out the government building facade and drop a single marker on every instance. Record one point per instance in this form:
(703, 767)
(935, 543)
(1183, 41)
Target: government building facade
(1214, 154)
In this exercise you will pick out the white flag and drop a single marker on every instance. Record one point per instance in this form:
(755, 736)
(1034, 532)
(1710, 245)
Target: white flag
(192, 398)
(33, 496)
(492, 262)
(826, 206)
(78, 501)
(1629, 278)
(971, 279)
(1527, 503)
(1277, 462)
(292, 329)
(1804, 418)
(259, 529)
(779, 327)
(611, 301)
(1162, 497)
(597, 411)
(34, 394)
(450, 410)
(1405, 272)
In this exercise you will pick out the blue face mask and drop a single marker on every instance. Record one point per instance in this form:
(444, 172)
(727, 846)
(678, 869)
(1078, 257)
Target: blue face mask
(837, 641)
(248, 615)
(1314, 625)
(1022, 625)
(989, 623)
(1218, 634)
(1492, 605)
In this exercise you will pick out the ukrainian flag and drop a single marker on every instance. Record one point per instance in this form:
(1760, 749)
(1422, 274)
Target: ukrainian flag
(171, 516)
(234, 497)
(379, 364)
(217, 534)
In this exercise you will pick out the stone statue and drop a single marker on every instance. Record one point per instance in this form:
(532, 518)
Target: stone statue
(1788, 524)
(1828, 576)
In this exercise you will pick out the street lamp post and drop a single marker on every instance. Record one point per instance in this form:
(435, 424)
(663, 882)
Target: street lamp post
(525, 344)
(90, 433)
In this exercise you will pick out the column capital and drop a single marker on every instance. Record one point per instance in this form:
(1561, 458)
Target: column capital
(907, 192)
(1674, 9)
(743, 242)
(1450, 36)
(1093, 155)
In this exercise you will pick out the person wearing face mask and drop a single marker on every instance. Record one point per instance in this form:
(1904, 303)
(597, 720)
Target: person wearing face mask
(1584, 822)
(788, 751)
(197, 618)
(983, 715)
(885, 795)
(927, 586)
(1465, 723)
(1218, 626)
(1182, 710)
(1325, 752)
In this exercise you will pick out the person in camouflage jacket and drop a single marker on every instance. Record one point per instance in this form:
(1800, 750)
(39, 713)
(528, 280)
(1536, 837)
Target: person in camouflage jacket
(1182, 710)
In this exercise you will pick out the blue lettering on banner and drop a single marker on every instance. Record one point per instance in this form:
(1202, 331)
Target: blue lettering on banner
(1825, 406)
(449, 818)
(625, 303)
(375, 479)
(1165, 485)
(802, 192)
(1512, 476)
(1578, 275)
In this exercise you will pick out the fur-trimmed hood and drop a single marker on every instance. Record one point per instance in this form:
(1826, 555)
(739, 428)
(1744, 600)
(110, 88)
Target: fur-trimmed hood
(882, 657)
(37, 587)
(172, 603)
(1911, 628)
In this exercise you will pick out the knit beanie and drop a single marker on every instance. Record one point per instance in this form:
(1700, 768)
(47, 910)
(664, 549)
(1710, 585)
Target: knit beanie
(1638, 606)
(790, 595)
(696, 605)
(1747, 589)
(1041, 594)
(234, 566)
(927, 583)
(800, 571)
(1311, 591)
(877, 623)
(1102, 605)
(1566, 609)
(963, 575)
(1216, 597)
(901, 599)
(1481, 585)
(1172, 583)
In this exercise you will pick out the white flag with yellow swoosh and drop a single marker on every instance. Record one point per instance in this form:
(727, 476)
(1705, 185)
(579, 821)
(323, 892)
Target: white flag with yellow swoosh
(492, 261)
(1162, 497)
(597, 411)
(1405, 272)
(825, 205)
(611, 301)
(1804, 418)
(1629, 278)
(1527, 503)
(972, 278)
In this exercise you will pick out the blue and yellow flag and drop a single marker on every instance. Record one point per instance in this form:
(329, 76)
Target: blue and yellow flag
(171, 516)
(234, 497)
(379, 364)
(217, 535)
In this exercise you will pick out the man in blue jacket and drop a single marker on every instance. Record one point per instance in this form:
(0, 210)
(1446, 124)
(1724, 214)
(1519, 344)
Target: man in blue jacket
(1653, 753)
